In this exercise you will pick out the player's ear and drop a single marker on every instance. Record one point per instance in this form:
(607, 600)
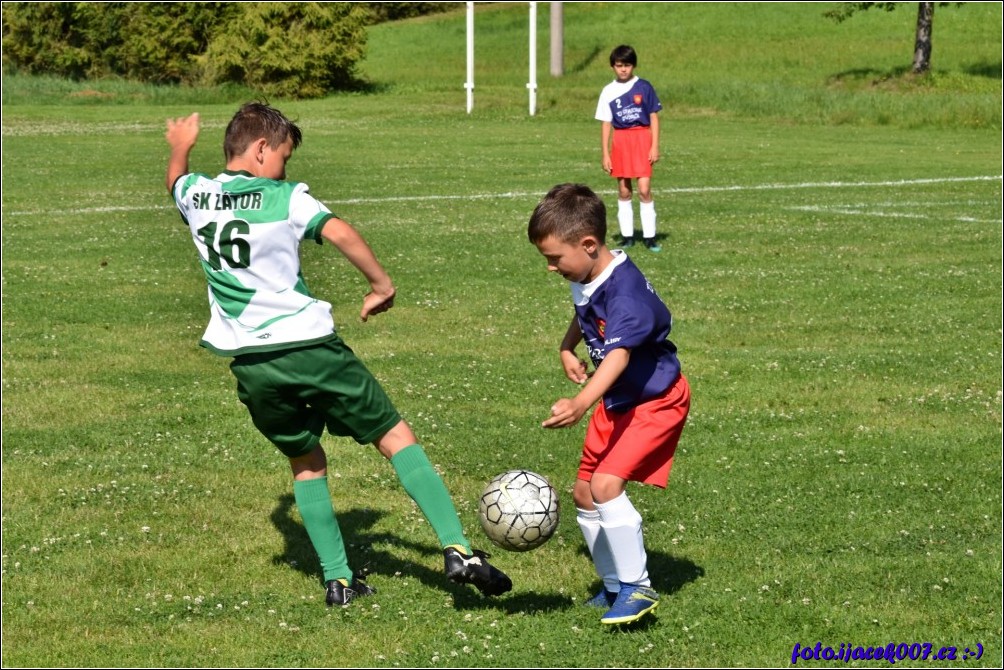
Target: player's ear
(589, 244)
(259, 146)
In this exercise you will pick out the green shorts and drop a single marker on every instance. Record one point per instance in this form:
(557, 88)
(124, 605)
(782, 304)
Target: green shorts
(293, 394)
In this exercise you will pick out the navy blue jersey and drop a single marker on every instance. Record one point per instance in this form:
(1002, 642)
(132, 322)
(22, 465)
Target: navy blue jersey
(620, 309)
(628, 104)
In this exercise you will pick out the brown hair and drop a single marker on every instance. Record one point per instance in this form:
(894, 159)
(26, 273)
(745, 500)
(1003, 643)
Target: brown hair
(624, 54)
(255, 120)
(568, 213)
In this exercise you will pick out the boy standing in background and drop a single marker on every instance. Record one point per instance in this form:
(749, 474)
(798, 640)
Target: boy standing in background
(629, 111)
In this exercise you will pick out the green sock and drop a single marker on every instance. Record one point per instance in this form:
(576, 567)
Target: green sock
(427, 489)
(314, 503)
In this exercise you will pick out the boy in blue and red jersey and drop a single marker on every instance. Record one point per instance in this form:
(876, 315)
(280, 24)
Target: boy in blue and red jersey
(634, 431)
(629, 111)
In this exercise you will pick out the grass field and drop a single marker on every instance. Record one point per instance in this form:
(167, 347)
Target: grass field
(831, 254)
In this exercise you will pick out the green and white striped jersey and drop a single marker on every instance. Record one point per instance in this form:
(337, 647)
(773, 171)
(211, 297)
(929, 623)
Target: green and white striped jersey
(248, 232)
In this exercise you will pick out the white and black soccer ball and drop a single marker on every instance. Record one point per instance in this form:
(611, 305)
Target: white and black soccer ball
(519, 510)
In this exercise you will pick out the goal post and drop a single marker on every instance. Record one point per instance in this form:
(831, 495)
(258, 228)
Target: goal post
(556, 50)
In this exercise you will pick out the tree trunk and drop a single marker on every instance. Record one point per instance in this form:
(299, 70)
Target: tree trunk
(922, 45)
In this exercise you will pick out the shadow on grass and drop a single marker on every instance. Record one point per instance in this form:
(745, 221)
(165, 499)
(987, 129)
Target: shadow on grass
(363, 555)
(867, 76)
(872, 77)
(638, 247)
(669, 574)
(984, 69)
(585, 62)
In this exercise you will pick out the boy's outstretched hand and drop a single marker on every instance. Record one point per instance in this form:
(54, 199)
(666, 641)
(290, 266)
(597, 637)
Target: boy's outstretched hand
(565, 412)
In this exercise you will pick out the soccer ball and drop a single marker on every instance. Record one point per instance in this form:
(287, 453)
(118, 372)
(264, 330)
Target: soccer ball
(519, 510)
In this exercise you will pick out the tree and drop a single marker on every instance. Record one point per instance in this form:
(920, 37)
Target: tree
(47, 38)
(925, 23)
(295, 49)
(922, 45)
(290, 49)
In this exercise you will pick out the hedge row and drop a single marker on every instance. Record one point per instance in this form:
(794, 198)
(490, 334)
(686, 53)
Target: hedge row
(295, 49)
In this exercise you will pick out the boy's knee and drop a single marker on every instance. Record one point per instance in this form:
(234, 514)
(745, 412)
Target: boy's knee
(396, 439)
(603, 489)
(310, 465)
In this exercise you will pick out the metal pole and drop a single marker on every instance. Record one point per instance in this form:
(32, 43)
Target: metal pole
(469, 84)
(532, 85)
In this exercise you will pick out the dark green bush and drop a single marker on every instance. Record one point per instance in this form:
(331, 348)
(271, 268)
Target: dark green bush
(150, 42)
(392, 11)
(161, 42)
(302, 49)
(46, 38)
(290, 49)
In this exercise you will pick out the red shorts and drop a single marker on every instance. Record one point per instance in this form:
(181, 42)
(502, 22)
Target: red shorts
(629, 152)
(637, 445)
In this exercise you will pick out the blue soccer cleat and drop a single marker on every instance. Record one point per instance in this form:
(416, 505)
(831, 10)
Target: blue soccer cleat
(603, 599)
(633, 602)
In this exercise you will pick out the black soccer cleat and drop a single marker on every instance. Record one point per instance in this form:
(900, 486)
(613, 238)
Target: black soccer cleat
(341, 593)
(475, 569)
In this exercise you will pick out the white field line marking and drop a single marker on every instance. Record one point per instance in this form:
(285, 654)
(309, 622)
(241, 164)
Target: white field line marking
(512, 195)
(853, 211)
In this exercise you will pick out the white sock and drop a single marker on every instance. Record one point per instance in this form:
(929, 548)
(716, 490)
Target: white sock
(621, 524)
(647, 212)
(599, 548)
(625, 217)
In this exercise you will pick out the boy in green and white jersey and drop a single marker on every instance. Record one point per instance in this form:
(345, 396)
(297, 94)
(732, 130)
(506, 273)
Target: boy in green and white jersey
(294, 373)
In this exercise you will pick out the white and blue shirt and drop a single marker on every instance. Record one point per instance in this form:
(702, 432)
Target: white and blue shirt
(628, 104)
(620, 309)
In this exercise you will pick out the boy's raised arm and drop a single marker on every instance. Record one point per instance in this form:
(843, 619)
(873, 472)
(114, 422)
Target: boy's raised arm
(181, 135)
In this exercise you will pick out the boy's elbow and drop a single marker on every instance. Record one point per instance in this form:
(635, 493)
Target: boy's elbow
(172, 177)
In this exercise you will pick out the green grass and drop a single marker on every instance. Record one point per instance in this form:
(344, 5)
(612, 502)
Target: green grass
(777, 61)
(835, 284)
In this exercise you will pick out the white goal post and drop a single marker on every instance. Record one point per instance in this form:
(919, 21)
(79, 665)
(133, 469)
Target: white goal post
(532, 84)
